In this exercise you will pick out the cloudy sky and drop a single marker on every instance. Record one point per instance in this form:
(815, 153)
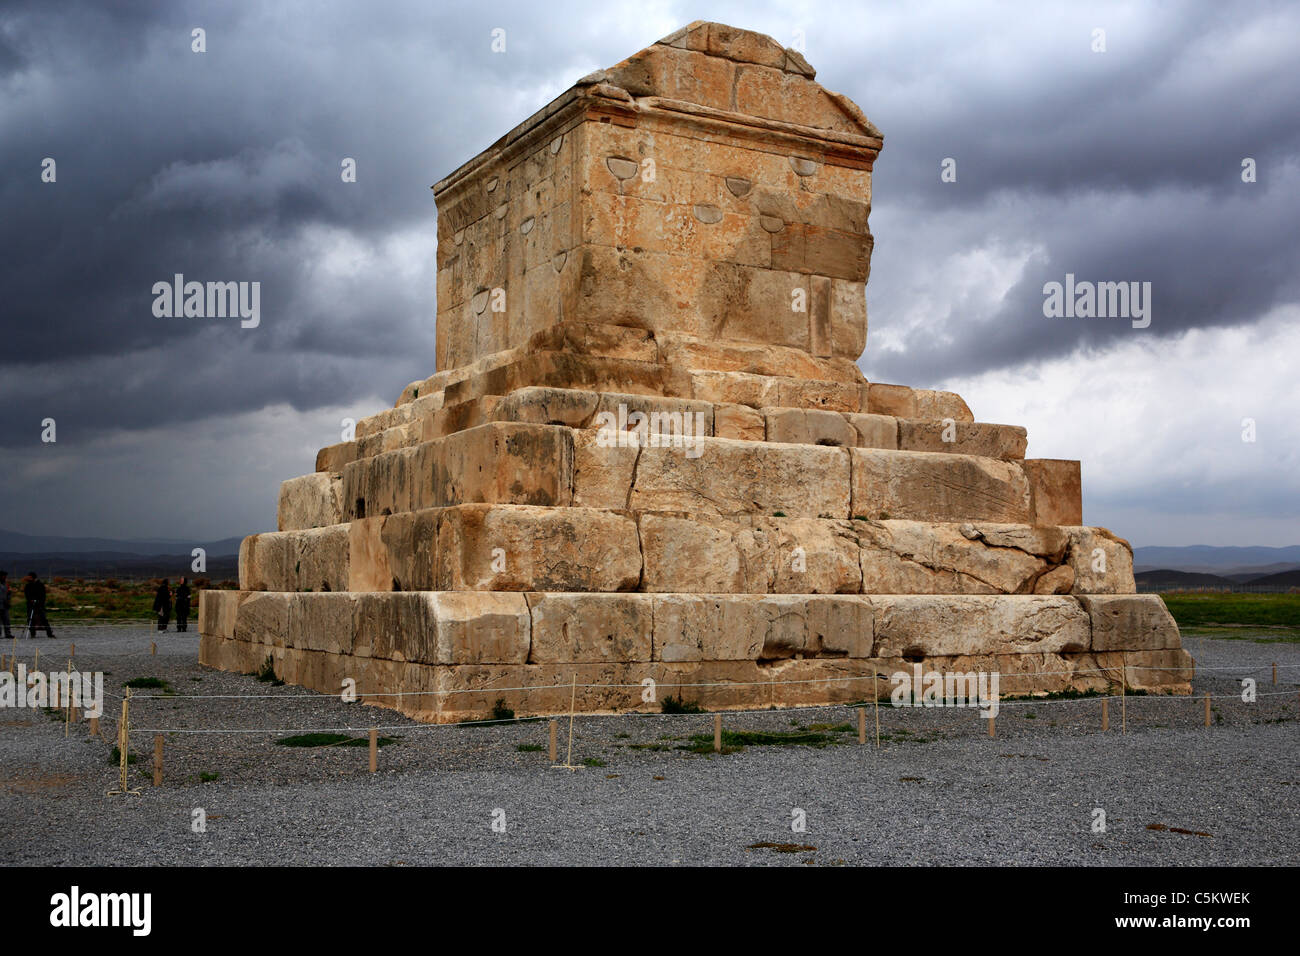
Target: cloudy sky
(1120, 165)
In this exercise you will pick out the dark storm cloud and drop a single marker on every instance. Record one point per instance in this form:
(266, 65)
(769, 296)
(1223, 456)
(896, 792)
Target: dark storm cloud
(225, 166)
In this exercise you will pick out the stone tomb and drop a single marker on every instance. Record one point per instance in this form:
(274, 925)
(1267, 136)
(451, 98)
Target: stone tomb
(648, 451)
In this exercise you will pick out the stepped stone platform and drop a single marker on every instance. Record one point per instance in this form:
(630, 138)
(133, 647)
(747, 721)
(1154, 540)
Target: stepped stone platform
(648, 452)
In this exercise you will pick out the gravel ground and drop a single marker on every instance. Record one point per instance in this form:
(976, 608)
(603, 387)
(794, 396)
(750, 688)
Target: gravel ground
(938, 790)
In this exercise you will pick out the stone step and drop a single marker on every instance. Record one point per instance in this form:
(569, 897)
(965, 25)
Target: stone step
(456, 653)
(525, 463)
(526, 548)
(679, 363)
(584, 409)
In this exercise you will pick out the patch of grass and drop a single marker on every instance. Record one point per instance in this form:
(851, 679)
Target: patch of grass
(266, 673)
(734, 740)
(116, 757)
(648, 747)
(331, 740)
(593, 762)
(139, 683)
(675, 705)
(833, 728)
(1223, 633)
(1258, 610)
(150, 683)
(208, 776)
(778, 514)
(782, 847)
(529, 748)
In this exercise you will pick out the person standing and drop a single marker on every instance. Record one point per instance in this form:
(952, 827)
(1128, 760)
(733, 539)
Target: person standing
(5, 601)
(182, 605)
(34, 595)
(162, 604)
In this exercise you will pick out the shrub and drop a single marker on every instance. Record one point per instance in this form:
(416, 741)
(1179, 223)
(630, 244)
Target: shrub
(675, 705)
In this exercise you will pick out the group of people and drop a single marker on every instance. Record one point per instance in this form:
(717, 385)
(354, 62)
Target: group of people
(34, 595)
(162, 605)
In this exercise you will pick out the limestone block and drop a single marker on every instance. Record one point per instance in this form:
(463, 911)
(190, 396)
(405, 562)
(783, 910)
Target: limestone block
(734, 388)
(934, 404)
(925, 625)
(1048, 673)
(386, 483)
(332, 458)
(736, 477)
(410, 542)
(368, 564)
(321, 560)
(590, 628)
(695, 354)
(394, 626)
(394, 552)
(311, 501)
(874, 431)
(1102, 563)
(930, 486)
(1130, 622)
(1055, 490)
(217, 611)
(795, 626)
(672, 419)
(521, 548)
(739, 422)
(263, 618)
(915, 557)
(479, 627)
(896, 400)
(469, 691)
(702, 627)
(841, 626)
(501, 462)
(1059, 580)
(962, 438)
(547, 406)
(1168, 671)
(702, 554)
(602, 472)
(266, 561)
(322, 622)
(594, 338)
(812, 393)
(807, 426)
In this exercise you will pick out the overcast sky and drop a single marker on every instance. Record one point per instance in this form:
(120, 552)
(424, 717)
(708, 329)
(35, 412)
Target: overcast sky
(1122, 165)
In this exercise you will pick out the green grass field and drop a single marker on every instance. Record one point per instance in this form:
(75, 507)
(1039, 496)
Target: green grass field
(1196, 609)
(109, 600)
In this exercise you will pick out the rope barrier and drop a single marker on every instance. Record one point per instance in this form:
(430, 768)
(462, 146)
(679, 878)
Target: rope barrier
(676, 684)
(1163, 698)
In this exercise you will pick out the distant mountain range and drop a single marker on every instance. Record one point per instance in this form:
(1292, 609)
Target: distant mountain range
(1204, 566)
(1208, 559)
(54, 556)
(11, 542)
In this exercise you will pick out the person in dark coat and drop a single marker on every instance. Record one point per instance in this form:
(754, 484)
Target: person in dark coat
(34, 595)
(182, 605)
(162, 604)
(6, 599)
